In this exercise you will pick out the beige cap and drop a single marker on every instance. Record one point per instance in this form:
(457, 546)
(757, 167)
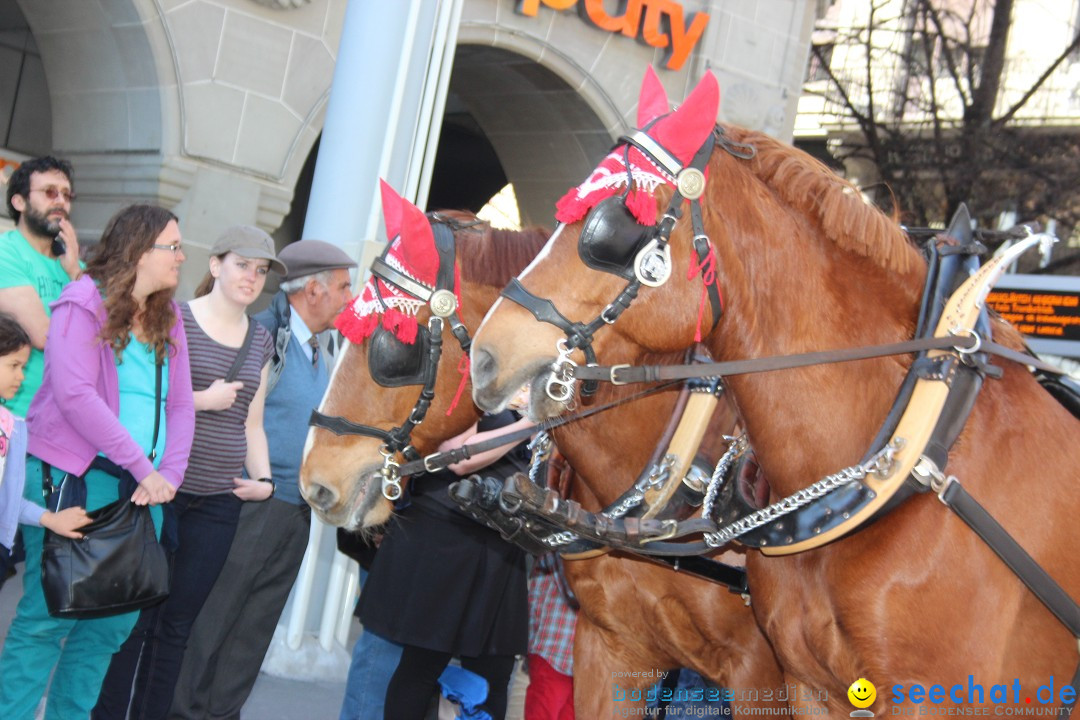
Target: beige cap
(249, 242)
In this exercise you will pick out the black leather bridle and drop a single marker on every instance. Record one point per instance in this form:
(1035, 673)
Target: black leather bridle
(610, 237)
(386, 363)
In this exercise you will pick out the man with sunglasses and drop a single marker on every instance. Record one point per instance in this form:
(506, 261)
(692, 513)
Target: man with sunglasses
(37, 259)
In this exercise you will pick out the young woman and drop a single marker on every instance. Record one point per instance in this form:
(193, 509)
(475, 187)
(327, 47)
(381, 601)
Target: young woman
(94, 416)
(228, 438)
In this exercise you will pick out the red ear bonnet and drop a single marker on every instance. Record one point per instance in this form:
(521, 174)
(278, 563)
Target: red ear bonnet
(681, 133)
(652, 100)
(412, 252)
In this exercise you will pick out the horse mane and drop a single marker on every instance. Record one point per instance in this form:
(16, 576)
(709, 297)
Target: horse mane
(491, 256)
(840, 210)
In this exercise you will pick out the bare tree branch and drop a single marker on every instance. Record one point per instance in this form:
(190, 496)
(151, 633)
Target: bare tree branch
(1011, 112)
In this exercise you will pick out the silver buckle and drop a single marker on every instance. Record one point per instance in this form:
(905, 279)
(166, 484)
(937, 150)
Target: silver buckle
(611, 374)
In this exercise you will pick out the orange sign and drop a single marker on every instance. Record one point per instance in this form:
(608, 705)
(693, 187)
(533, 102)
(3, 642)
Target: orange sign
(1040, 313)
(662, 23)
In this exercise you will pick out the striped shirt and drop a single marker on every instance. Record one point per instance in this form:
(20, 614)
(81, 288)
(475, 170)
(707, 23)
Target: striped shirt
(220, 446)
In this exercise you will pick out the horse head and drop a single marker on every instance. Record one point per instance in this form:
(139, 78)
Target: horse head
(594, 257)
(394, 393)
(689, 231)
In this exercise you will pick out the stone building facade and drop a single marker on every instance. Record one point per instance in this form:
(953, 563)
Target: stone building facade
(214, 108)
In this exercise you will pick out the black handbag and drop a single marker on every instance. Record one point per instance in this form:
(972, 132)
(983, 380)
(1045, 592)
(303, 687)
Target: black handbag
(118, 565)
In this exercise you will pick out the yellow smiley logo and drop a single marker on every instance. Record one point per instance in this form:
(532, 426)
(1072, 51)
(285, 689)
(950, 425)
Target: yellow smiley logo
(862, 693)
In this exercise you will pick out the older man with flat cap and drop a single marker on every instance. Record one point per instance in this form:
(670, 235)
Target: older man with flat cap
(234, 629)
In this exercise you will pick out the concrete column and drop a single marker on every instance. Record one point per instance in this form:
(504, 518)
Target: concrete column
(388, 92)
(383, 65)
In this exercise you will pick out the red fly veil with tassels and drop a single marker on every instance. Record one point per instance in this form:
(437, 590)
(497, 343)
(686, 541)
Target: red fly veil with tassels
(681, 133)
(412, 252)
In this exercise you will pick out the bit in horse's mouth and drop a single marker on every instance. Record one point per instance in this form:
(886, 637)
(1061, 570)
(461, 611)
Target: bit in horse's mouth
(541, 405)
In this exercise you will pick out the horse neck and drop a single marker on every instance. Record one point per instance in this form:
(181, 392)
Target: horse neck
(789, 292)
(610, 449)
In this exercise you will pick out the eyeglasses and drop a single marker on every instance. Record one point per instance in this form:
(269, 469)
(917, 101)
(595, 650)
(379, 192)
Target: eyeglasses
(53, 192)
(178, 247)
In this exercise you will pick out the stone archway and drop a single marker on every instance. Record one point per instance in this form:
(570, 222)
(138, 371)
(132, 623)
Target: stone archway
(102, 72)
(546, 136)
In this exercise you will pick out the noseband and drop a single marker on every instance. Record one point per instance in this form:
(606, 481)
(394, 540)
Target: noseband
(612, 241)
(393, 363)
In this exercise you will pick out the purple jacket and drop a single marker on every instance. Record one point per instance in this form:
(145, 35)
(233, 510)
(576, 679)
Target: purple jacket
(73, 416)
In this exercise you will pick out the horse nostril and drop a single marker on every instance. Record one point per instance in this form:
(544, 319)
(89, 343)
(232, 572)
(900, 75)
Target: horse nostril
(484, 367)
(321, 497)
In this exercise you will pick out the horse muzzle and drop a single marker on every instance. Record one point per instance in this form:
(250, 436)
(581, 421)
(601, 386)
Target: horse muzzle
(492, 393)
(360, 506)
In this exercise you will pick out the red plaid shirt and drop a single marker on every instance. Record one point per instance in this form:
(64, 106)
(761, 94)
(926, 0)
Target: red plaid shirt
(551, 620)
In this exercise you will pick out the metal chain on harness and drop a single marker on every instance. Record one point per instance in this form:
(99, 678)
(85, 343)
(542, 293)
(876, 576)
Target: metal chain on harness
(541, 447)
(877, 464)
(736, 447)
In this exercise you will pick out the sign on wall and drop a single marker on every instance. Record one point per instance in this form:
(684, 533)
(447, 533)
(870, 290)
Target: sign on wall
(1045, 308)
(659, 23)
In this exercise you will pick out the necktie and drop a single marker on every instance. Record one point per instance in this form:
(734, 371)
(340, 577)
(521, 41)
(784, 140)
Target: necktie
(314, 343)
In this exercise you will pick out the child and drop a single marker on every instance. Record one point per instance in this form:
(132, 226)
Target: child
(14, 508)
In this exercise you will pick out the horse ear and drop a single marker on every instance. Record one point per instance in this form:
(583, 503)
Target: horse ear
(391, 209)
(684, 131)
(405, 220)
(653, 100)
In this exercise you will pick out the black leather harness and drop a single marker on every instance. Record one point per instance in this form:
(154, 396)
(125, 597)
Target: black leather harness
(444, 308)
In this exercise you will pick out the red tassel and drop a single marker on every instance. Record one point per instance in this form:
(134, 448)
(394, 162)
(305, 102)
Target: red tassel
(356, 329)
(403, 326)
(707, 268)
(463, 368)
(700, 314)
(642, 206)
(571, 208)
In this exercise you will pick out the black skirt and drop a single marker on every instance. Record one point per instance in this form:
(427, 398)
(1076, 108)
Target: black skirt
(442, 582)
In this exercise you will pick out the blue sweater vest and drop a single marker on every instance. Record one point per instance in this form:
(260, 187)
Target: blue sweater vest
(288, 407)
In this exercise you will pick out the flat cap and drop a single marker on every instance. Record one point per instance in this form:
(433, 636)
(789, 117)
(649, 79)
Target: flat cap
(307, 257)
(250, 242)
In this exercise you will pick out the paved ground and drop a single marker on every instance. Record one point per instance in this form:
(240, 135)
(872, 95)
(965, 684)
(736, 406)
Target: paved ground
(272, 699)
(275, 698)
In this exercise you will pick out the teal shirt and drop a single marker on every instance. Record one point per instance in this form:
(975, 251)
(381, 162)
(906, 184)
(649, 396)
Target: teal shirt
(137, 391)
(21, 264)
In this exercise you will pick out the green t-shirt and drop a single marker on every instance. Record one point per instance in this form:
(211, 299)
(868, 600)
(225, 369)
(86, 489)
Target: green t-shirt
(21, 264)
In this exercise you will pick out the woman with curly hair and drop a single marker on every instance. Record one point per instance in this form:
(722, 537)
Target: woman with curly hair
(94, 416)
(229, 438)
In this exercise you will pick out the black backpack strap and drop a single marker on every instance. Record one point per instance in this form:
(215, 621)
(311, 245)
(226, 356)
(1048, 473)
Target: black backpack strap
(241, 354)
(157, 412)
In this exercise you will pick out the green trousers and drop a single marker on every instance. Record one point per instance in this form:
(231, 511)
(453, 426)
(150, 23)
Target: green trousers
(79, 650)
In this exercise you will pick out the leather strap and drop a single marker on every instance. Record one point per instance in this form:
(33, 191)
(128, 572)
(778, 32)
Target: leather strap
(157, 411)
(438, 461)
(1052, 595)
(1037, 580)
(622, 374)
(241, 354)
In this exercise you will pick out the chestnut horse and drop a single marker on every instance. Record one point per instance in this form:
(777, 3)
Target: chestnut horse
(636, 617)
(804, 264)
